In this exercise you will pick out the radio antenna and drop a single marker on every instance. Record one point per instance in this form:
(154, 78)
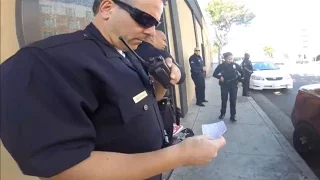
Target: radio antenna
(132, 51)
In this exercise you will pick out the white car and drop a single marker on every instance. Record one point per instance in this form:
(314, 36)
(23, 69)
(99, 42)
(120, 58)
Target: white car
(267, 75)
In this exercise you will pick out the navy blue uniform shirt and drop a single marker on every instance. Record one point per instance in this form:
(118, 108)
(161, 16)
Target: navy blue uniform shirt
(69, 95)
(196, 64)
(247, 66)
(230, 72)
(147, 51)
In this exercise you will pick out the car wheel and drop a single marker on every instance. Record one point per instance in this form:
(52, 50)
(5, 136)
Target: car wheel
(306, 140)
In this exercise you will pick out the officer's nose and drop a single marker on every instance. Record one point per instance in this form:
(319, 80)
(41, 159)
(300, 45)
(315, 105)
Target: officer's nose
(151, 31)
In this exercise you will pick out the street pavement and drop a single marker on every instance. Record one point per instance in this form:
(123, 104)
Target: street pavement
(278, 104)
(255, 149)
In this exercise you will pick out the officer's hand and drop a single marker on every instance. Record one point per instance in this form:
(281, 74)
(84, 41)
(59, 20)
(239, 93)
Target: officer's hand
(204, 69)
(221, 79)
(200, 150)
(175, 71)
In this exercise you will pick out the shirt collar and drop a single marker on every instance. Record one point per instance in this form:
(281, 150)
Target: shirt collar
(96, 34)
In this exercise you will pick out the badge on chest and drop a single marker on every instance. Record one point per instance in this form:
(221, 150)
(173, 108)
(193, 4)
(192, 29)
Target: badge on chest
(140, 96)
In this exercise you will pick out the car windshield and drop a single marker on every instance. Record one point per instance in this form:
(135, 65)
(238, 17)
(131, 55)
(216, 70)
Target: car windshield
(260, 66)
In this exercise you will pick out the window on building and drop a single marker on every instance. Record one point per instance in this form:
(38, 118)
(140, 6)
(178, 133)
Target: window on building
(55, 17)
(73, 25)
(89, 15)
(46, 9)
(46, 34)
(49, 22)
(70, 12)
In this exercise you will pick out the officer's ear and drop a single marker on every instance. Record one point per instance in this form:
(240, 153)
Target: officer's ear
(106, 8)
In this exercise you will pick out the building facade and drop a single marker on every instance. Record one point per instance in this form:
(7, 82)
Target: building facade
(26, 21)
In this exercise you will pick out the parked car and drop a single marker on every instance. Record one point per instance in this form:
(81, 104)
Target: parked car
(305, 118)
(267, 75)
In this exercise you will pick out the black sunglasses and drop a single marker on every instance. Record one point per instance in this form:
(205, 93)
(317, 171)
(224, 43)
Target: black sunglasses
(142, 18)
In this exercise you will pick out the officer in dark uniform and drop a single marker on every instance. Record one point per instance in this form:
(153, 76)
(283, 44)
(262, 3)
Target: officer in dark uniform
(247, 68)
(153, 47)
(229, 75)
(80, 106)
(198, 76)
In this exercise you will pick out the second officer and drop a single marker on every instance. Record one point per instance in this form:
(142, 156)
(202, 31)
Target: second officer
(229, 75)
(248, 70)
(198, 75)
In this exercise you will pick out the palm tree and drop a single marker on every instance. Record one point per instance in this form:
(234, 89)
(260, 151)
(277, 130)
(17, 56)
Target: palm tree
(268, 51)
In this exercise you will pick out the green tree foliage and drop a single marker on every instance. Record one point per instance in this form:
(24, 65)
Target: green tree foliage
(224, 14)
(268, 51)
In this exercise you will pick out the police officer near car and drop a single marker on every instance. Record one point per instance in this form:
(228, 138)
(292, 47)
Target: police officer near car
(198, 73)
(248, 70)
(80, 105)
(230, 76)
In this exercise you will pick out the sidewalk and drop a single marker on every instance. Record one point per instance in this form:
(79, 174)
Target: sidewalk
(255, 149)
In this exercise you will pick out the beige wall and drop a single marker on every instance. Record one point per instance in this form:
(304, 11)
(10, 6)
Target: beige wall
(9, 45)
(172, 50)
(188, 44)
(207, 46)
(9, 41)
(198, 33)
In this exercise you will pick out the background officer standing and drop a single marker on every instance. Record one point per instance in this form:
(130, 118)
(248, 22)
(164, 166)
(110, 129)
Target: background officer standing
(80, 105)
(247, 68)
(198, 72)
(228, 75)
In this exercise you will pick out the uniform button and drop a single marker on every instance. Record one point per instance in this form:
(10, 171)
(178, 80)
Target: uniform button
(145, 107)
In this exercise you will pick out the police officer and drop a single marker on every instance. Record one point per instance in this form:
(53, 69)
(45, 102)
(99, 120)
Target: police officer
(228, 75)
(80, 106)
(155, 46)
(198, 75)
(247, 68)
(152, 47)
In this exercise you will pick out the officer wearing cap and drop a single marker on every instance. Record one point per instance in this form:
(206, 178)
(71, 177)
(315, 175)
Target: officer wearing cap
(230, 75)
(80, 106)
(248, 70)
(198, 76)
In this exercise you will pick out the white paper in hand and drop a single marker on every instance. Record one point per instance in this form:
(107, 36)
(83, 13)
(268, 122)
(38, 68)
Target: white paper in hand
(214, 130)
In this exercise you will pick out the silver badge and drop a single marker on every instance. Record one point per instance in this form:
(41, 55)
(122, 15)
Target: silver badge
(234, 66)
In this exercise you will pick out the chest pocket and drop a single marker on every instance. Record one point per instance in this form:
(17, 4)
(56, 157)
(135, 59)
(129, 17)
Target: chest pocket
(131, 110)
(142, 123)
(141, 115)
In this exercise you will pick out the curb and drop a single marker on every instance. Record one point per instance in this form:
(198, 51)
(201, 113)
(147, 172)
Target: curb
(306, 172)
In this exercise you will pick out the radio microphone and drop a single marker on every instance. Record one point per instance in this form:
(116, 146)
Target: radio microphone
(156, 66)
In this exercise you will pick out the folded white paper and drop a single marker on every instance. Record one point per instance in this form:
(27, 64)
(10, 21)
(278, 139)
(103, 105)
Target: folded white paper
(215, 130)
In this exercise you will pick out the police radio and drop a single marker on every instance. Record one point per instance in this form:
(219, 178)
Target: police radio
(156, 66)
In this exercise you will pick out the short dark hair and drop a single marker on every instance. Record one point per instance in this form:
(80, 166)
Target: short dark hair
(97, 3)
(95, 6)
(226, 55)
